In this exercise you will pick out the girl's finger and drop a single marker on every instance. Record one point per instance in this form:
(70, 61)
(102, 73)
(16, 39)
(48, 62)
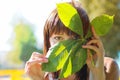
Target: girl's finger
(97, 42)
(94, 48)
(94, 33)
(36, 54)
(32, 62)
(89, 60)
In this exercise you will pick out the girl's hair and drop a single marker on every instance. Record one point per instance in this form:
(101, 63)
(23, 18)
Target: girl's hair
(54, 25)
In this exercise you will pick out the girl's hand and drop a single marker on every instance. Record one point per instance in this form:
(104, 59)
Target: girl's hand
(33, 66)
(96, 70)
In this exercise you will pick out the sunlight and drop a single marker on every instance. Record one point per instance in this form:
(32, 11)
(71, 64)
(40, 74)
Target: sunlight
(35, 11)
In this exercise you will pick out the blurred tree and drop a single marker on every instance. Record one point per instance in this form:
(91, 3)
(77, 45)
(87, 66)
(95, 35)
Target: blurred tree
(24, 43)
(112, 7)
(27, 50)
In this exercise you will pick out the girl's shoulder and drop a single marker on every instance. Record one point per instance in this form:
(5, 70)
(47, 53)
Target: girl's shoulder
(111, 69)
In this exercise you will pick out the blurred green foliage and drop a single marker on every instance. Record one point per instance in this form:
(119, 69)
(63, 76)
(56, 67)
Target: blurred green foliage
(112, 7)
(24, 43)
(27, 50)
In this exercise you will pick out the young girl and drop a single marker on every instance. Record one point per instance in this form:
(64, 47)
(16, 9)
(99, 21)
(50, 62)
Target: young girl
(54, 32)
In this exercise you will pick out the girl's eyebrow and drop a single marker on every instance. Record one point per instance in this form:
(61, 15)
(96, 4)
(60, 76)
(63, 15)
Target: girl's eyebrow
(59, 34)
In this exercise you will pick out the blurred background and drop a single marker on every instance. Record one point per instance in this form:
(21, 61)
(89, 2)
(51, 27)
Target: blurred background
(21, 31)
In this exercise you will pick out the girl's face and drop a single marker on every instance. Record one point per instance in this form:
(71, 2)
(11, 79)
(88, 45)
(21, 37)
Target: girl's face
(55, 38)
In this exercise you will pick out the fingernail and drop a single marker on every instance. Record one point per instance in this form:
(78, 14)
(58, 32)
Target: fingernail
(45, 60)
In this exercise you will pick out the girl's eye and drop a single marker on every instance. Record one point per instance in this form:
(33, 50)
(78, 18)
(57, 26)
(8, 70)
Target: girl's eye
(58, 38)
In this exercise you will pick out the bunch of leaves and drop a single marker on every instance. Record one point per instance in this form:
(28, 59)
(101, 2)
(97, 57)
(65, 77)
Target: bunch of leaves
(68, 56)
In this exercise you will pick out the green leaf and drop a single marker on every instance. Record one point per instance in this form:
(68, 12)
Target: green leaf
(75, 60)
(89, 33)
(102, 24)
(70, 17)
(67, 56)
(58, 54)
